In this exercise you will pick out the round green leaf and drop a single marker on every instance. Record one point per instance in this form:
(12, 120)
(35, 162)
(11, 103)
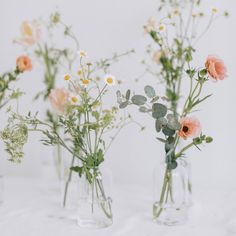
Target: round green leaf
(158, 110)
(150, 91)
(172, 165)
(168, 132)
(173, 122)
(124, 104)
(163, 121)
(139, 100)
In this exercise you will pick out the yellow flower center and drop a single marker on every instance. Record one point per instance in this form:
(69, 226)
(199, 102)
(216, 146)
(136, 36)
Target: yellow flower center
(110, 80)
(85, 81)
(82, 54)
(74, 99)
(161, 27)
(79, 72)
(67, 77)
(214, 10)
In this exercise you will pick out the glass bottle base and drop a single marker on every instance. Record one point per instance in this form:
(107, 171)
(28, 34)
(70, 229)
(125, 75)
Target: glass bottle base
(169, 215)
(97, 215)
(93, 224)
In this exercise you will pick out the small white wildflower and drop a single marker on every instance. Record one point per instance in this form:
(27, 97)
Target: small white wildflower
(110, 80)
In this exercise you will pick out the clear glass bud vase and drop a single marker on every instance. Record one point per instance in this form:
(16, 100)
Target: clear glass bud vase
(172, 193)
(94, 206)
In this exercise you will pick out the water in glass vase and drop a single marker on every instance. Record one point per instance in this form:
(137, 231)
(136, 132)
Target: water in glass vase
(171, 194)
(94, 206)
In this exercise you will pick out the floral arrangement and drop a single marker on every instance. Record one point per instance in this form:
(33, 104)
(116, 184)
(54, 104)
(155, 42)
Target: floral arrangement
(175, 39)
(39, 38)
(82, 117)
(23, 63)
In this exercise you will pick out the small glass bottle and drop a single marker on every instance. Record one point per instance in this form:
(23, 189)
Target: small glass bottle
(94, 205)
(171, 193)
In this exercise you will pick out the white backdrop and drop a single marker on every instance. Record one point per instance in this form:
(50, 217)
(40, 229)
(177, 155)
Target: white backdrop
(106, 26)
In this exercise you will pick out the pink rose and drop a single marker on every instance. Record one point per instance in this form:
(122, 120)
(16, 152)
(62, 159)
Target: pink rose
(30, 33)
(216, 68)
(190, 127)
(59, 99)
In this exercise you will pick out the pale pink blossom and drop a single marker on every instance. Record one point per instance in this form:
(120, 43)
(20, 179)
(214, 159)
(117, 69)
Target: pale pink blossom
(151, 25)
(30, 33)
(59, 99)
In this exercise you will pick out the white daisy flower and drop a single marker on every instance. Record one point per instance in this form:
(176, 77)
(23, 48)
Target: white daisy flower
(82, 53)
(214, 10)
(110, 80)
(85, 82)
(161, 28)
(67, 77)
(74, 99)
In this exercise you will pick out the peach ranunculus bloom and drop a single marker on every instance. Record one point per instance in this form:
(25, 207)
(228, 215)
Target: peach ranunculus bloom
(30, 33)
(216, 68)
(190, 127)
(23, 63)
(59, 99)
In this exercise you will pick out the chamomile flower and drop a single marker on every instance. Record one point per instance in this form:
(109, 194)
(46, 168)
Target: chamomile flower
(79, 72)
(73, 99)
(67, 77)
(161, 28)
(214, 10)
(110, 80)
(82, 53)
(85, 82)
(176, 12)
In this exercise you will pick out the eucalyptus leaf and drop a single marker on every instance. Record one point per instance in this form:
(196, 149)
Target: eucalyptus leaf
(169, 147)
(127, 96)
(155, 99)
(161, 140)
(124, 104)
(158, 110)
(168, 132)
(160, 123)
(139, 100)
(171, 140)
(150, 91)
(172, 165)
(119, 97)
(143, 109)
(173, 122)
(158, 126)
(163, 121)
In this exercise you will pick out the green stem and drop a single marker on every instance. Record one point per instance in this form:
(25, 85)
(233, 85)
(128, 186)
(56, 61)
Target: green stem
(68, 182)
(163, 192)
(183, 150)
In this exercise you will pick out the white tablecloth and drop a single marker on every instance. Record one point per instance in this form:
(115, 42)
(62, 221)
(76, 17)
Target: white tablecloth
(30, 208)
